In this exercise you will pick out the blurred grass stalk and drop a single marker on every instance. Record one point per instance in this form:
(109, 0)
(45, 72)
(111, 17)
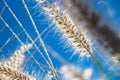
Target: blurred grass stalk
(72, 33)
(80, 12)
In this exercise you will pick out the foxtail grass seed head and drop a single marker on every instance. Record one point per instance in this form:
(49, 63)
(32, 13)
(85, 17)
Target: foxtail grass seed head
(9, 69)
(11, 74)
(17, 59)
(70, 30)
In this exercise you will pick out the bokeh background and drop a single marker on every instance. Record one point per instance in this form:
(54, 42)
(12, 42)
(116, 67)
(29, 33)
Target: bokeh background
(59, 50)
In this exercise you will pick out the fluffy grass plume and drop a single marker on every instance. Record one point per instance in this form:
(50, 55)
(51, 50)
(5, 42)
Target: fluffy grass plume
(9, 69)
(72, 32)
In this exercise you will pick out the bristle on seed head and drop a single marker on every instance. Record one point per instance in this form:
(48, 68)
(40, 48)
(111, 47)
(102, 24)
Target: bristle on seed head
(40, 1)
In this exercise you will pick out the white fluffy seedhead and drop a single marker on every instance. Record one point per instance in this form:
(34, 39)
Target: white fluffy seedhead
(10, 74)
(8, 69)
(18, 57)
(69, 29)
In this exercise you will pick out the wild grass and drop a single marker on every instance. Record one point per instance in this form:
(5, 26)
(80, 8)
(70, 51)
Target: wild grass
(94, 23)
(9, 69)
(72, 32)
(75, 35)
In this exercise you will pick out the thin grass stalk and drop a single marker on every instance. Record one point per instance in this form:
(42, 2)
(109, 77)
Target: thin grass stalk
(2, 10)
(21, 42)
(11, 38)
(13, 75)
(36, 30)
(29, 37)
(7, 41)
(41, 41)
(93, 20)
(98, 63)
(57, 16)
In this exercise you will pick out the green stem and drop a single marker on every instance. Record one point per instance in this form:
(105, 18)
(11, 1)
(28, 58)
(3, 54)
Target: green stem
(55, 73)
(99, 64)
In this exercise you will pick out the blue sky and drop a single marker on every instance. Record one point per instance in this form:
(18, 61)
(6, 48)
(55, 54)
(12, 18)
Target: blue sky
(109, 10)
(52, 39)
